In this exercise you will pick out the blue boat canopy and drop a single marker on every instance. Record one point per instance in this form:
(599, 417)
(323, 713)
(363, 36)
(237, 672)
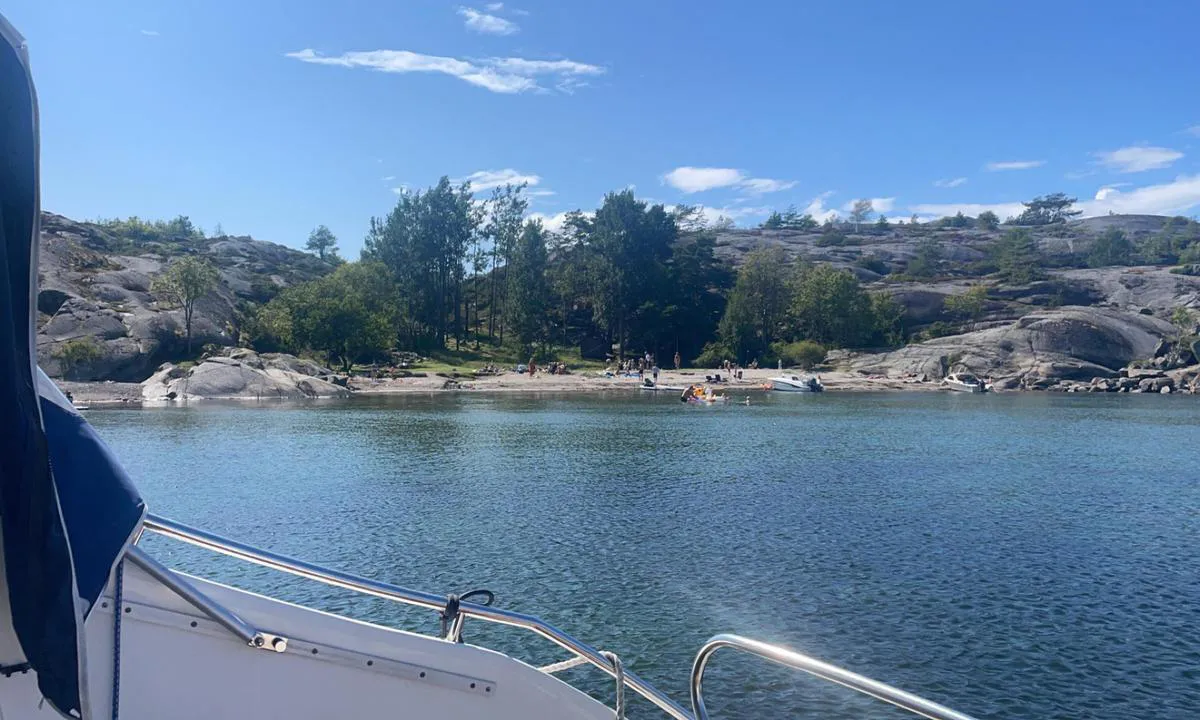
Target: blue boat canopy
(67, 508)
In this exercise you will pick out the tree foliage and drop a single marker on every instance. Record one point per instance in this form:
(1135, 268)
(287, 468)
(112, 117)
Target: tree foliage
(860, 212)
(322, 242)
(349, 316)
(1111, 248)
(186, 281)
(758, 304)
(927, 262)
(987, 220)
(1017, 257)
(1047, 210)
(75, 355)
(968, 305)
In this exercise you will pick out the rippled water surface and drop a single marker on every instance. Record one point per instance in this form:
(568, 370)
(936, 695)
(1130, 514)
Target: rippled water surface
(1013, 556)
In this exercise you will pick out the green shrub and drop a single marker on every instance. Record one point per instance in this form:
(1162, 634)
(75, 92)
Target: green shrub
(713, 355)
(75, 355)
(804, 353)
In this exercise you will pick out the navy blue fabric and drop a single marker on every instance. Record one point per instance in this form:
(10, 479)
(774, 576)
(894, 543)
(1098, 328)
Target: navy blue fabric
(90, 499)
(99, 503)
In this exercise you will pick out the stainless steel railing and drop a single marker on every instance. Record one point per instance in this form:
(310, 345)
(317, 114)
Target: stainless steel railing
(825, 671)
(232, 548)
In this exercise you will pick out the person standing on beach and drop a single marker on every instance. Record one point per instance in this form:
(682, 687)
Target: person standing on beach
(678, 360)
(655, 371)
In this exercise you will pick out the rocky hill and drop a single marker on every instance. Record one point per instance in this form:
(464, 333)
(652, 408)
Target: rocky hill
(95, 289)
(1074, 324)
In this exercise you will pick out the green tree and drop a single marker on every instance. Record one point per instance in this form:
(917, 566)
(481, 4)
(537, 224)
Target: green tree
(424, 243)
(1055, 208)
(958, 220)
(1017, 257)
(506, 217)
(349, 316)
(757, 304)
(1111, 248)
(829, 307)
(882, 223)
(860, 211)
(987, 220)
(774, 221)
(322, 242)
(184, 282)
(968, 305)
(927, 262)
(528, 291)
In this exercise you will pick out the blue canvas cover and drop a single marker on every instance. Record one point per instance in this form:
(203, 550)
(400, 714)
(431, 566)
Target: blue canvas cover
(66, 507)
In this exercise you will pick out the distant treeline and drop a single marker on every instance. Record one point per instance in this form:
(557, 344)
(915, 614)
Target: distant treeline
(444, 270)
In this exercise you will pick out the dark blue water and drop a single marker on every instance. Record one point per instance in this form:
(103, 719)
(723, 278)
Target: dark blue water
(1012, 556)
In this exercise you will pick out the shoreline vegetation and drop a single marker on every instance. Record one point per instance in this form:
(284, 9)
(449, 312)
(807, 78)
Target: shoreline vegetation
(448, 283)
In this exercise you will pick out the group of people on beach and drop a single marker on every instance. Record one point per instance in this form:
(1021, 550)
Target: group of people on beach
(554, 368)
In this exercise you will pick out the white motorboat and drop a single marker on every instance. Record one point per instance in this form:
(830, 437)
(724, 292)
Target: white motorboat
(964, 382)
(797, 383)
(93, 625)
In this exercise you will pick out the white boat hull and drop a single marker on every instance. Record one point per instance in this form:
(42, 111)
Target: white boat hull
(788, 385)
(177, 663)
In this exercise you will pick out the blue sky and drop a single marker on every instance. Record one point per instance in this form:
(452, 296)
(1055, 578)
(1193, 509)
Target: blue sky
(272, 116)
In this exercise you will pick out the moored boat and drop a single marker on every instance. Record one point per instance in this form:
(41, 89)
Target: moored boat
(797, 383)
(964, 382)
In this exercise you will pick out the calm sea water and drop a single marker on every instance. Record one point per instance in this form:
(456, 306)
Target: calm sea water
(1013, 556)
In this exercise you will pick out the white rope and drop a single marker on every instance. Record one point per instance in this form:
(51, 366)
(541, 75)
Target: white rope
(619, 671)
(564, 665)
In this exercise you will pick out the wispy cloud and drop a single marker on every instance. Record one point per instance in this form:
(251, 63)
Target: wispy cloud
(388, 178)
(488, 179)
(1178, 196)
(1137, 158)
(950, 182)
(1193, 130)
(760, 186)
(1013, 165)
(150, 33)
(879, 205)
(494, 7)
(690, 179)
(501, 75)
(816, 207)
(486, 24)
(697, 179)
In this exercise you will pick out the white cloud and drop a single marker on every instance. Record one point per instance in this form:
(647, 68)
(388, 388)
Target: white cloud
(816, 207)
(696, 179)
(940, 210)
(759, 186)
(1013, 165)
(1193, 130)
(1178, 196)
(400, 190)
(1108, 190)
(488, 179)
(1137, 158)
(879, 205)
(150, 33)
(481, 22)
(555, 222)
(388, 178)
(494, 7)
(502, 75)
(539, 193)
(950, 182)
(689, 179)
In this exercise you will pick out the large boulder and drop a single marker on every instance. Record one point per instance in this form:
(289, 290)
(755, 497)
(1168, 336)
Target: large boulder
(240, 375)
(1075, 343)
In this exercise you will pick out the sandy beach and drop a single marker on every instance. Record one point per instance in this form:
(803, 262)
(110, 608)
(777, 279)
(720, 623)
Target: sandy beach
(752, 381)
